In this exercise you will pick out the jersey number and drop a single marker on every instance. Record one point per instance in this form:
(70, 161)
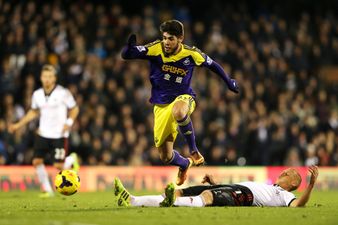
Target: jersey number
(60, 153)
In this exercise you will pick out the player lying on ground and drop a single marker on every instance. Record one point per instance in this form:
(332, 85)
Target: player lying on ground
(241, 194)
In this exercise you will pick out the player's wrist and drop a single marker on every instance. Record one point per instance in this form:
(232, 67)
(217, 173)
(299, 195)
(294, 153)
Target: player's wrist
(69, 122)
(311, 185)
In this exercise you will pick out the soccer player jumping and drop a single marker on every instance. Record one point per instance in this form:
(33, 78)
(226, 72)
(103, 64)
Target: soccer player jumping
(171, 69)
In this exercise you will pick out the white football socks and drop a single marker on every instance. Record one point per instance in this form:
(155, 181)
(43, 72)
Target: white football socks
(69, 160)
(43, 178)
(192, 201)
(155, 200)
(146, 200)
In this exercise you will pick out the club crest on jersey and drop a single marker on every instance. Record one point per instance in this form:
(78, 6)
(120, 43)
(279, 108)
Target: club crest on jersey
(186, 62)
(174, 70)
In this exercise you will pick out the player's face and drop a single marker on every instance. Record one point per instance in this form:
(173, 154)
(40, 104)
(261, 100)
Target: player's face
(48, 79)
(290, 177)
(171, 43)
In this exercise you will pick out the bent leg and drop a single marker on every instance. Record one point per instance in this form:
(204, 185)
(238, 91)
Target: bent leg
(183, 106)
(72, 162)
(181, 114)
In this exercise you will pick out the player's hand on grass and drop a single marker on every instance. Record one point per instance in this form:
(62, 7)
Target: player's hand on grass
(233, 86)
(314, 174)
(208, 179)
(131, 40)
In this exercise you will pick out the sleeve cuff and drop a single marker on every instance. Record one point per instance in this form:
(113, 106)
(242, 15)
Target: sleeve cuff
(291, 201)
(69, 121)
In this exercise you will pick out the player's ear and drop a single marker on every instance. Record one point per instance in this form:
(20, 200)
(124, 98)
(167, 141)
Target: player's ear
(294, 185)
(180, 38)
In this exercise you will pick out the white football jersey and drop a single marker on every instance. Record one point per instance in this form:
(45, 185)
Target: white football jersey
(53, 110)
(268, 195)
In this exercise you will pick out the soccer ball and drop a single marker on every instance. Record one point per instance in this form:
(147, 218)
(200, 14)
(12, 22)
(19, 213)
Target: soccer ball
(67, 182)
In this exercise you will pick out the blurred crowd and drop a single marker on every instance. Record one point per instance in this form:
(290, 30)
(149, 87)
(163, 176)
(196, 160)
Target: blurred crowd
(285, 113)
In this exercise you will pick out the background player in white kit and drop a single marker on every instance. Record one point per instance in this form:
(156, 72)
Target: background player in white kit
(56, 108)
(240, 194)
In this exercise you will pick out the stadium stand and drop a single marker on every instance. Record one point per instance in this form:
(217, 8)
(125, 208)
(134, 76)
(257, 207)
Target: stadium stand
(285, 114)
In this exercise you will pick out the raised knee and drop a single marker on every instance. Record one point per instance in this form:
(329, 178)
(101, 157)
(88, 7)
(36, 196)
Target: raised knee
(179, 113)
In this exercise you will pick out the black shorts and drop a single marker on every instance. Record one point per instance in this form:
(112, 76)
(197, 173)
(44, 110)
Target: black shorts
(224, 195)
(51, 150)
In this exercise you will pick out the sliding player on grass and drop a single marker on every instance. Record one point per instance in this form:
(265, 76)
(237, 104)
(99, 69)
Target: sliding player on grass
(240, 194)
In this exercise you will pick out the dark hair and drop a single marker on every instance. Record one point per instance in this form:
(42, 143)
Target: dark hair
(173, 27)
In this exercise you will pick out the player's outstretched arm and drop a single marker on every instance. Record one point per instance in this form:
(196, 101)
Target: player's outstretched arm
(131, 51)
(304, 198)
(30, 115)
(216, 68)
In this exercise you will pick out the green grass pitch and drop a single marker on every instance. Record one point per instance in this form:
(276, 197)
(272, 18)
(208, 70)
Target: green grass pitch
(21, 208)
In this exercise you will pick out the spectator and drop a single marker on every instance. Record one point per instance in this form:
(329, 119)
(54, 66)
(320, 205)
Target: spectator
(285, 109)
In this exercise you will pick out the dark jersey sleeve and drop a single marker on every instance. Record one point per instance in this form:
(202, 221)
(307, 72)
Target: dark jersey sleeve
(134, 52)
(216, 68)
